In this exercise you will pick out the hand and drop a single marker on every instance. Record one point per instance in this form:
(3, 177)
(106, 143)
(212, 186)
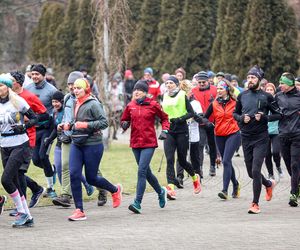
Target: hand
(125, 125)
(246, 118)
(81, 125)
(18, 129)
(46, 142)
(258, 116)
(163, 135)
(60, 127)
(66, 126)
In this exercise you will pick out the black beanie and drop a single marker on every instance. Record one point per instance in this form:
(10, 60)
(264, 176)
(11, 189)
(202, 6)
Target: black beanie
(18, 76)
(202, 75)
(39, 68)
(256, 71)
(141, 85)
(59, 96)
(173, 79)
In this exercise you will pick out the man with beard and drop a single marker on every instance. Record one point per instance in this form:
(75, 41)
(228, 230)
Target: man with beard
(252, 113)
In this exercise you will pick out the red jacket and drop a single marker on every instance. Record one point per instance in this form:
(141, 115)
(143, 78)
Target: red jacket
(37, 107)
(205, 97)
(225, 124)
(154, 89)
(142, 120)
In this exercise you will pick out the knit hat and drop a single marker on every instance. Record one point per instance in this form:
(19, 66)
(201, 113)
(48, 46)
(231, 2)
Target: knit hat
(220, 74)
(59, 96)
(148, 70)
(6, 80)
(39, 68)
(173, 79)
(256, 71)
(128, 73)
(210, 74)
(182, 71)
(234, 78)
(141, 85)
(19, 77)
(73, 76)
(84, 84)
(202, 75)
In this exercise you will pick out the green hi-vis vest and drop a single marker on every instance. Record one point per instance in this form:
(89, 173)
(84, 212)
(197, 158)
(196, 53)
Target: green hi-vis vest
(174, 106)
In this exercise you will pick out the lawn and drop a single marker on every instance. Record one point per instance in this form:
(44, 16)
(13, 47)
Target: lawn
(118, 166)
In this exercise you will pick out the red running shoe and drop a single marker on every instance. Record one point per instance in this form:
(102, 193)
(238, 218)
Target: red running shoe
(117, 196)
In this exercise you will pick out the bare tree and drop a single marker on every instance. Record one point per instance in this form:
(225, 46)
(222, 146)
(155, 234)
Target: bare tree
(111, 35)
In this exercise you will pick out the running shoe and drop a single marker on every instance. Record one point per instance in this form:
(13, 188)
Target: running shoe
(117, 196)
(102, 197)
(89, 190)
(135, 207)
(162, 197)
(269, 190)
(197, 185)
(293, 200)
(21, 219)
(254, 209)
(178, 182)
(35, 198)
(212, 171)
(50, 193)
(171, 194)
(77, 215)
(2, 202)
(223, 195)
(63, 200)
(236, 191)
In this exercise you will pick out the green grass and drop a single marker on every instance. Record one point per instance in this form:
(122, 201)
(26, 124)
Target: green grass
(118, 166)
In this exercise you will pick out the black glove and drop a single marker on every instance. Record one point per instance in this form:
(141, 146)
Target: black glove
(163, 135)
(125, 125)
(207, 123)
(19, 129)
(47, 142)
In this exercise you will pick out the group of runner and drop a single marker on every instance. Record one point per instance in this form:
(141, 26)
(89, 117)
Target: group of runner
(210, 111)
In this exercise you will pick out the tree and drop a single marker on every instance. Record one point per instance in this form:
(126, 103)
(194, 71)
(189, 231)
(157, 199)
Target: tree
(171, 11)
(195, 33)
(66, 34)
(142, 48)
(84, 43)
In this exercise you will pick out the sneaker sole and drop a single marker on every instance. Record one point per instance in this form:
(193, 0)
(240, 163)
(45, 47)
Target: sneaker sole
(252, 212)
(121, 197)
(293, 203)
(172, 198)
(57, 203)
(222, 196)
(133, 209)
(79, 219)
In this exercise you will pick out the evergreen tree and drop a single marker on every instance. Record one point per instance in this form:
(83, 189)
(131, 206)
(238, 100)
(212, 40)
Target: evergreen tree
(171, 11)
(142, 48)
(84, 44)
(215, 60)
(66, 34)
(195, 33)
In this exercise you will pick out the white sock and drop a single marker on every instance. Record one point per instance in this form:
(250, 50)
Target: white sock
(25, 206)
(49, 182)
(18, 202)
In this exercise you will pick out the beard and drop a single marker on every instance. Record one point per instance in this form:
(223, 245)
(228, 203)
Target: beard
(253, 86)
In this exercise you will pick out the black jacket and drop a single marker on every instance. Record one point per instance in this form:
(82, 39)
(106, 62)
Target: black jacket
(289, 104)
(251, 102)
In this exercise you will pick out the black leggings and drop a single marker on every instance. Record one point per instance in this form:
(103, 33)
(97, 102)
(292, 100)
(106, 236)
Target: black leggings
(210, 133)
(273, 150)
(181, 143)
(254, 153)
(290, 149)
(12, 159)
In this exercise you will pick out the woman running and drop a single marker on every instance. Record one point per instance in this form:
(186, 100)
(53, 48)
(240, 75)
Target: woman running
(177, 106)
(227, 133)
(87, 148)
(140, 114)
(14, 144)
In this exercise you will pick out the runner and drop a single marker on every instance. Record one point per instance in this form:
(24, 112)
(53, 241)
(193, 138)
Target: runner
(177, 106)
(227, 133)
(87, 148)
(140, 115)
(289, 131)
(14, 145)
(251, 112)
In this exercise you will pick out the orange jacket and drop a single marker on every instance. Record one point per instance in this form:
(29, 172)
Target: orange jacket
(225, 124)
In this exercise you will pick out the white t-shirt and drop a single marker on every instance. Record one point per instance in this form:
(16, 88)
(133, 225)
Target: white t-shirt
(10, 115)
(193, 125)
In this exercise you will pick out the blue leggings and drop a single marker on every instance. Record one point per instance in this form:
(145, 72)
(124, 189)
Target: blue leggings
(227, 145)
(89, 156)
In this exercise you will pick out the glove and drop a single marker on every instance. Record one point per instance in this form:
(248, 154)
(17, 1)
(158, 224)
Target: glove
(81, 125)
(47, 142)
(163, 135)
(19, 129)
(125, 125)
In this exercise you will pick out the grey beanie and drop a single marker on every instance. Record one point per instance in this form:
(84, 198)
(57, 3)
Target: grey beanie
(74, 76)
